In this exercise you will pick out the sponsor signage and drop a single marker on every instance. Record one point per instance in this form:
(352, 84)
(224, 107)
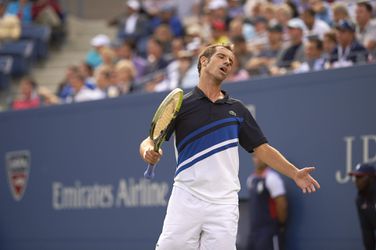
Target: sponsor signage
(18, 169)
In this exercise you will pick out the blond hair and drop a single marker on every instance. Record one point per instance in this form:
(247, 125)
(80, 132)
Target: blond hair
(126, 65)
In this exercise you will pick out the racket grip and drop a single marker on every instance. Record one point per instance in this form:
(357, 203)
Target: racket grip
(150, 172)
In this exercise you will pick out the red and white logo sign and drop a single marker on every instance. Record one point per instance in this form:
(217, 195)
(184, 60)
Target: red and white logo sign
(18, 168)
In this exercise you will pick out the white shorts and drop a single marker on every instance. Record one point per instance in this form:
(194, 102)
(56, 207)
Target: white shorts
(194, 224)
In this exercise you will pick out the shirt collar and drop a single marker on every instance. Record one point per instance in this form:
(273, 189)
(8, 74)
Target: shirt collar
(198, 93)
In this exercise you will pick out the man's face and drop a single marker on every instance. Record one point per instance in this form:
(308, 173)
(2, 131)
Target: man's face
(220, 63)
(308, 19)
(275, 36)
(344, 37)
(76, 82)
(362, 15)
(311, 51)
(362, 182)
(295, 34)
(26, 88)
(328, 44)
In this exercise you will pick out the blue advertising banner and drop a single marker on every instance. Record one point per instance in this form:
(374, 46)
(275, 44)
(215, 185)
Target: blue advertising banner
(72, 177)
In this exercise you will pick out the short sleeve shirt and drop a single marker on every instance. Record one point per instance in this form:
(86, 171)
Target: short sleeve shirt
(207, 136)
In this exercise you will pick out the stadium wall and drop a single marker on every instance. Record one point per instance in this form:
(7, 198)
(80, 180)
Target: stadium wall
(71, 176)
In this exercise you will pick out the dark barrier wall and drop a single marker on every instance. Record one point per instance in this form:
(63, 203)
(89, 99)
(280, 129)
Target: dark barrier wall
(71, 175)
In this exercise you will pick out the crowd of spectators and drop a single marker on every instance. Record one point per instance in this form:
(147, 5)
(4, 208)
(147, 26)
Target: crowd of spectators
(27, 30)
(158, 42)
(14, 14)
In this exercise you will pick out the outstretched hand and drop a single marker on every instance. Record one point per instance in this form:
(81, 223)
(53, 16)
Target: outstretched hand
(305, 181)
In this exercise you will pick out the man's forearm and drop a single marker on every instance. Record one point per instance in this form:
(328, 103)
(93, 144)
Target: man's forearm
(276, 160)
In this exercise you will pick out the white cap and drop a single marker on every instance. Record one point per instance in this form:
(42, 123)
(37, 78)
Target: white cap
(133, 4)
(216, 4)
(296, 23)
(100, 40)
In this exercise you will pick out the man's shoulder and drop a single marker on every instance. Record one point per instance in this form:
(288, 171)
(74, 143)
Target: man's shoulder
(237, 104)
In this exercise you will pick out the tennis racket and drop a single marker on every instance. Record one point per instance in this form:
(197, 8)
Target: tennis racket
(162, 120)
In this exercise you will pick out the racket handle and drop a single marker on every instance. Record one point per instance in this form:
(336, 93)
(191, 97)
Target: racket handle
(150, 172)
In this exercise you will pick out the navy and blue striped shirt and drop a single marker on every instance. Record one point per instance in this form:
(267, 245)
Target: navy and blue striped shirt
(207, 136)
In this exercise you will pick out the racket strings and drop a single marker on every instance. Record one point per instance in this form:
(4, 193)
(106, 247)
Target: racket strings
(165, 118)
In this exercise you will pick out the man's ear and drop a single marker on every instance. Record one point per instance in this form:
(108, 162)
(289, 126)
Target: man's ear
(204, 61)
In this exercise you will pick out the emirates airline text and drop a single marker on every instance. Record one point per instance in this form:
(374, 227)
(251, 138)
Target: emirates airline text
(128, 193)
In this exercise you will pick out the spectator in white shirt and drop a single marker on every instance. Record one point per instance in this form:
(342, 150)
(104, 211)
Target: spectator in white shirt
(315, 26)
(365, 26)
(80, 91)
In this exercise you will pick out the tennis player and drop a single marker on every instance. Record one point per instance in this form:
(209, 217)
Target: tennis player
(202, 212)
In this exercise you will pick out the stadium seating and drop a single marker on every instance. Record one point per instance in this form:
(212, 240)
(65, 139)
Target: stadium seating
(6, 63)
(40, 35)
(21, 52)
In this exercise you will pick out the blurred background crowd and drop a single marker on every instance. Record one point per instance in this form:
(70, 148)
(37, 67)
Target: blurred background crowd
(157, 43)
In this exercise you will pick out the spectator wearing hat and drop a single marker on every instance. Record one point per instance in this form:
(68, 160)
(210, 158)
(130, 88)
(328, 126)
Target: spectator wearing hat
(10, 28)
(348, 51)
(93, 57)
(365, 26)
(365, 176)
